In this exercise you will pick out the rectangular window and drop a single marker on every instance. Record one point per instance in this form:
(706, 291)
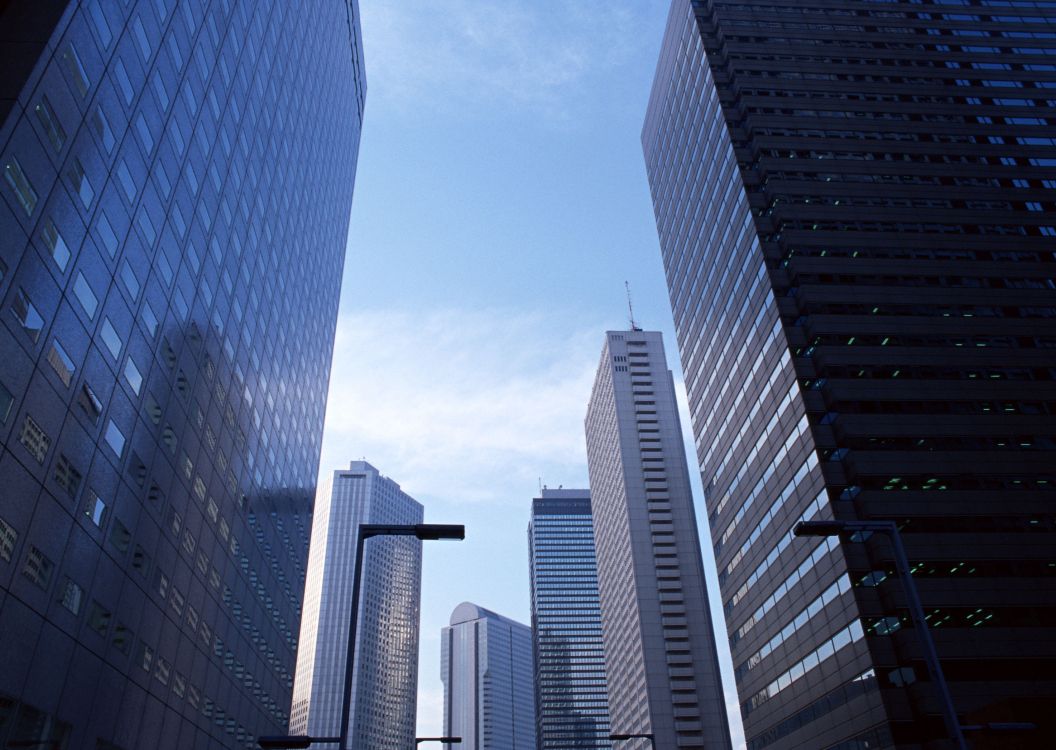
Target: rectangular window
(120, 537)
(80, 183)
(140, 560)
(128, 276)
(50, 123)
(122, 639)
(72, 595)
(38, 568)
(103, 130)
(146, 657)
(66, 476)
(34, 439)
(61, 363)
(98, 618)
(24, 192)
(107, 234)
(27, 315)
(6, 400)
(60, 252)
(132, 375)
(114, 438)
(90, 403)
(110, 338)
(8, 537)
(76, 69)
(85, 295)
(95, 508)
(150, 320)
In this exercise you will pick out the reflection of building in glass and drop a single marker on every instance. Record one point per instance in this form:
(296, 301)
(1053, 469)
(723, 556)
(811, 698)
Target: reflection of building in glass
(855, 210)
(571, 699)
(176, 184)
(486, 667)
(385, 676)
(661, 662)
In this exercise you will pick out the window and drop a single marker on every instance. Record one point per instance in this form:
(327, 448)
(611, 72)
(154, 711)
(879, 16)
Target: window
(106, 232)
(103, 130)
(99, 618)
(66, 476)
(128, 276)
(50, 123)
(72, 594)
(38, 568)
(120, 537)
(60, 252)
(27, 315)
(90, 403)
(150, 320)
(61, 363)
(34, 439)
(8, 537)
(85, 295)
(80, 183)
(6, 400)
(24, 192)
(76, 69)
(110, 338)
(115, 438)
(122, 638)
(95, 508)
(132, 375)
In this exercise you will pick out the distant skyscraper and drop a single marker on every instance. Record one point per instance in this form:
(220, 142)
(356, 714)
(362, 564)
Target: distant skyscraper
(571, 697)
(486, 667)
(385, 675)
(663, 673)
(176, 183)
(855, 209)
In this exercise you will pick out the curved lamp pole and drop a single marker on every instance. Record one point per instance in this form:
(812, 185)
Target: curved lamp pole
(916, 611)
(423, 531)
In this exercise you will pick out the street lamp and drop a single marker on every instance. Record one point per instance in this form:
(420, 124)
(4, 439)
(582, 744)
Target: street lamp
(445, 740)
(423, 531)
(652, 740)
(916, 611)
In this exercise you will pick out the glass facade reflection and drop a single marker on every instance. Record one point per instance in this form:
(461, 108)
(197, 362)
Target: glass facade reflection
(661, 662)
(385, 673)
(571, 696)
(486, 667)
(177, 179)
(854, 209)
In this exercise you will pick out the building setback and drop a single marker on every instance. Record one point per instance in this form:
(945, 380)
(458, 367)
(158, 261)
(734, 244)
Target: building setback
(486, 668)
(854, 204)
(662, 668)
(177, 178)
(385, 672)
(571, 699)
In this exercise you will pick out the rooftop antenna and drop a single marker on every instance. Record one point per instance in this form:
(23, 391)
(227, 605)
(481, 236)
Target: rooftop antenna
(630, 307)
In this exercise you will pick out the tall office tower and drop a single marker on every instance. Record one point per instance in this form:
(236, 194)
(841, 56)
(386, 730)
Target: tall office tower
(486, 667)
(571, 700)
(661, 662)
(854, 203)
(385, 672)
(177, 178)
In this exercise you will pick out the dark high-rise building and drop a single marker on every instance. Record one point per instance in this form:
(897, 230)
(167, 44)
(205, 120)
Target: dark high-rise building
(177, 179)
(661, 662)
(570, 693)
(855, 209)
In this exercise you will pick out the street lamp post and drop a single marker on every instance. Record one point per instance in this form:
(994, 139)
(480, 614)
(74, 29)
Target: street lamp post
(445, 740)
(423, 531)
(650, 737)
(916, 611)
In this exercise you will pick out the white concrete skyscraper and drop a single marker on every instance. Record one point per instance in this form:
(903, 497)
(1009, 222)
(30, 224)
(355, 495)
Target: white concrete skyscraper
(385, 680)
(662, 667)
(486, 667)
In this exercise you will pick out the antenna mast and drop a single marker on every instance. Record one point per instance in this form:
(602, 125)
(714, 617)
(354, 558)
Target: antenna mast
(630, 307)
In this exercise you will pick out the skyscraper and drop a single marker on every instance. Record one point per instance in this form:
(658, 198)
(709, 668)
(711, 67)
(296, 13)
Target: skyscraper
(177, 179)
(486, 667)
(385, 672)
(854, 205)
(571, 700)
(662, 668)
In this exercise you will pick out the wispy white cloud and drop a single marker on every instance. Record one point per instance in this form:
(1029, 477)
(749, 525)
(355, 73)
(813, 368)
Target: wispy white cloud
(450, 54)
(460, 404)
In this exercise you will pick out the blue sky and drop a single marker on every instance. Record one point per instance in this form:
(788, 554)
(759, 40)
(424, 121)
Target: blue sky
(500, 204)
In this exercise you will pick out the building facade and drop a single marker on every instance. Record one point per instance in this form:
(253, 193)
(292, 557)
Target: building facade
(486, 668)
(385, 671)
(571, 697)
(177, 179)
(660, 655)
(854, 204)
